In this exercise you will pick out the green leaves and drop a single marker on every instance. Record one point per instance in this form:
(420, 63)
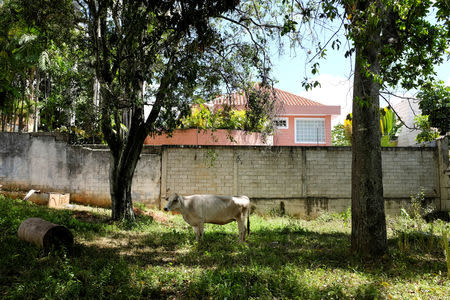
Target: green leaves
(339, 136)
(427, 133)
(226, 117)
(289, 25)
(435, 102)
(388, 122)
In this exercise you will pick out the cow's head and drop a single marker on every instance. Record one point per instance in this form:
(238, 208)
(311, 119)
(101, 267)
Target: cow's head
(173, 203)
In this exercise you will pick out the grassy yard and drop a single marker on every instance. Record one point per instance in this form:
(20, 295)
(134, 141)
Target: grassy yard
(157, 257)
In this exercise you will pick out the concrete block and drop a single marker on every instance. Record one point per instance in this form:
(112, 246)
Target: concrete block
(58, 200)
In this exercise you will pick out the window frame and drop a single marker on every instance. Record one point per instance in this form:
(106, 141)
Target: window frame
(310, 142)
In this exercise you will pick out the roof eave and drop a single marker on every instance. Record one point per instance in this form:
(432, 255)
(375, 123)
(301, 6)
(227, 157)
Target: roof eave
(309, 110)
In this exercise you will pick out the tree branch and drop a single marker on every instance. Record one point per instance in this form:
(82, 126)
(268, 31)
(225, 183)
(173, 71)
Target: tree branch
(326, 44)
(244, 26)
(399, 118)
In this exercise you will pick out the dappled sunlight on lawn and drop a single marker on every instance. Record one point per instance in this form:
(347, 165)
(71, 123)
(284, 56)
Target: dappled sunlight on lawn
(159, 258)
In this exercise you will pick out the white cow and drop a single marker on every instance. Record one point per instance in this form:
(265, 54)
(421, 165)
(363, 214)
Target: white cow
(200, 209)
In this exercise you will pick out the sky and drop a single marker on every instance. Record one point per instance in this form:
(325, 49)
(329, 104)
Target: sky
(335, 77)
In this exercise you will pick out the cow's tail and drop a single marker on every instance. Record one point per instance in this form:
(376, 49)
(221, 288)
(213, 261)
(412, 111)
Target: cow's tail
(248, 222)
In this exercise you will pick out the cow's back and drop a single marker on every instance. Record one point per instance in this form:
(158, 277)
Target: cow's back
(215, 209)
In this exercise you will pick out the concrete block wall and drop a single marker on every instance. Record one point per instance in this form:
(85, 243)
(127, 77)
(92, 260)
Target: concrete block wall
(198, 170)
(406, 172)
(268, 173)
(35, 161)
(302, 181)
(328, 172)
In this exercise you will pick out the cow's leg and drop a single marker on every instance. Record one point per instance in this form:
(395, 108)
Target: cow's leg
(241, 226)
(201, 227)
(197, 233)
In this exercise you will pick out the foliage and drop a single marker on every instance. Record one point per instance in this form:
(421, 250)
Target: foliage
(419, 206)
(414, 234)
(20, 50)
(202, 117)
(86, 66)
(347, 216)
(69, 99)
(435, 102)
(395, 45)
(388, 124)
(446, 251)
(339, 136)
(285, 258)
(28, 31)
(164, 55)
(388, 121)
(427, 134)
(410, 43)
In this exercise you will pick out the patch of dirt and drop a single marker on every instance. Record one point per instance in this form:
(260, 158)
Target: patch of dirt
(87, 216)
(102, 215)
(157, 216)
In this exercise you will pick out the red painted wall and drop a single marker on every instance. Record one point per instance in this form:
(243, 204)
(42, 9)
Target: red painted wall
(286, 137)
(281, 137)
(218, 137)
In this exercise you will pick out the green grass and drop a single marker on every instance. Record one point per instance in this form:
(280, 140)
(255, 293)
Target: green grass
(284, 258)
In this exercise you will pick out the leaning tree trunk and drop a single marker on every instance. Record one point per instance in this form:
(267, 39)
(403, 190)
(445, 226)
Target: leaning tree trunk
(122, 166)
(368, 216)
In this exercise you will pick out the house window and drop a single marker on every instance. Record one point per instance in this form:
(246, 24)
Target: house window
(311, 130)
(281, 123)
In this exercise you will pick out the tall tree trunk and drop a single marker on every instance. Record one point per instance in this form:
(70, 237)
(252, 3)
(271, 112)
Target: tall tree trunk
(15, 117)
(20, 114)
(3, 120)
(122, 166)
(368, 216)
(36, 119)
(120, 181)
(125, 152)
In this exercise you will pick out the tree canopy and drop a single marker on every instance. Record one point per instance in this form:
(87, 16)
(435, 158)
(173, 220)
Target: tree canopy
(125, 68)
(161, 54)
(435, 102)
(99, 63)
(395, 45)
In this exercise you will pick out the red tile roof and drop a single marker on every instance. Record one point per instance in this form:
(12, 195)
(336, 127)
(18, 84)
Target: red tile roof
(291, 99)
(288, 103)
(286, 98)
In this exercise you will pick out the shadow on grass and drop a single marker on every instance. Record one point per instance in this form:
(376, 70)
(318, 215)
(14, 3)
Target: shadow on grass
(164, 262)
(228, 269)
(265, 248)
(236, 283)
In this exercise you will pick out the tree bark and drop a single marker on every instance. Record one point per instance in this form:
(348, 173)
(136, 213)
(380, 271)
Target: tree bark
(120, 181)
(3, 120)
(35, 98)
(21, 116)
(124, 159)
(368, 216)
(120, 189)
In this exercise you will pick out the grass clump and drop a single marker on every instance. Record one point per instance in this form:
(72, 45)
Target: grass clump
(157, 257)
